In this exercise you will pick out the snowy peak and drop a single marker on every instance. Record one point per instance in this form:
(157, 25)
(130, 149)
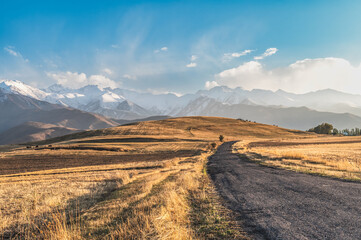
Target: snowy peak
(110, 97)
(17, 87)
(128, 104)
(57, 88)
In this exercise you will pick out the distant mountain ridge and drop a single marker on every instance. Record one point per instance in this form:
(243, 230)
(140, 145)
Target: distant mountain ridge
(287, 117)
(18, 109)
(298, 111)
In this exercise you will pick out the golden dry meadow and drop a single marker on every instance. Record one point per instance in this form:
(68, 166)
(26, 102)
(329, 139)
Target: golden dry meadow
(140, 181)
(333, 156)
(146, 180)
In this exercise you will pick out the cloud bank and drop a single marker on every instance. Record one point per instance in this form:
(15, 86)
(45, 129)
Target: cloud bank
(299, 77)
(78, 80)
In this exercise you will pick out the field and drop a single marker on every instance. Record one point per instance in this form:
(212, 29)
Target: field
(145, 180)
(333, 156)
(148, 180)
(144, 199)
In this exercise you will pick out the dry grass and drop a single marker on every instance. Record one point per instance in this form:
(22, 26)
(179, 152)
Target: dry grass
(184, 129)
(106, 184)
(141, 181)
(146, 201)
(330, 156)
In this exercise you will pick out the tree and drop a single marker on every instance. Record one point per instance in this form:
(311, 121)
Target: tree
(346, 132)
(324, 128)
(221, 138)
(357, 132)
(335, 131)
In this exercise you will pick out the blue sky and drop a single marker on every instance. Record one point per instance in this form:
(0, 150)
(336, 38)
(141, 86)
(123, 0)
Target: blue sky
(179, 46)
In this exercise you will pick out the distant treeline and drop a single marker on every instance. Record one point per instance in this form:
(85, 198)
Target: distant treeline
(326, 128)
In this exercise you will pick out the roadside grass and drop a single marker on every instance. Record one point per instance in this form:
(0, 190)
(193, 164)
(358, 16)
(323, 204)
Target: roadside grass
(335, 157)
(210, 218)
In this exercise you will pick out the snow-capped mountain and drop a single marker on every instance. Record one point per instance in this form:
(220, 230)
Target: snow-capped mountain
(319, 100)
(16, 109)
(288, 117)
(118, 103)
(165, 104)
(128, 104)
(17, 87)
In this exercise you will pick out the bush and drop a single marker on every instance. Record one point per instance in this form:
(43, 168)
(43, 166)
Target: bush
(324, 128)
(221, 138)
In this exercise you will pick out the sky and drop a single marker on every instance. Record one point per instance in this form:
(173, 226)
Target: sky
(183, 46)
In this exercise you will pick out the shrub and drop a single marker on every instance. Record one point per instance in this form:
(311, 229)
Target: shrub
(221, 138)
(324, 128)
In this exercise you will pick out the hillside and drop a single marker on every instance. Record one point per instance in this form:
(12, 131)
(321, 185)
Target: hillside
(33, 131)
(183, 129)
(17, 109)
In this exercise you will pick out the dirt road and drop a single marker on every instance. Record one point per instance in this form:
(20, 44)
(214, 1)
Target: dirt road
(280, 204)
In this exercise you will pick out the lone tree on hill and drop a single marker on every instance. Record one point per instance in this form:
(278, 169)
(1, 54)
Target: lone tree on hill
(324, 128)
(221, 138)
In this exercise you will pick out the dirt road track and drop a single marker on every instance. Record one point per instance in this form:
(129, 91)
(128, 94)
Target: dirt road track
(280, 204)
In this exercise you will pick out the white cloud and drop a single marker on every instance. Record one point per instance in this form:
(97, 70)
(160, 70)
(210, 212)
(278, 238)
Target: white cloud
(108, 71)
(102, 81)
(211, 84)
(191, 65)
(163, 91)
(69, 79)
(163, 49)
(130, 77)
(268, 52)
(11, 50)
(300, 77)
(77, 80)
(230, 56)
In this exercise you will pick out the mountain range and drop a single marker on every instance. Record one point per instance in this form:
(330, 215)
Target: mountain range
(93, 107)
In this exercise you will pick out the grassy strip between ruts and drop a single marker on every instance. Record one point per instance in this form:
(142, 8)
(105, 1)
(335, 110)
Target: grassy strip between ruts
(210, 218)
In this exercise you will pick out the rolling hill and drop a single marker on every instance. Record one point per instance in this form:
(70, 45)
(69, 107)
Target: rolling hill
(33, 131)
(179, 129)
